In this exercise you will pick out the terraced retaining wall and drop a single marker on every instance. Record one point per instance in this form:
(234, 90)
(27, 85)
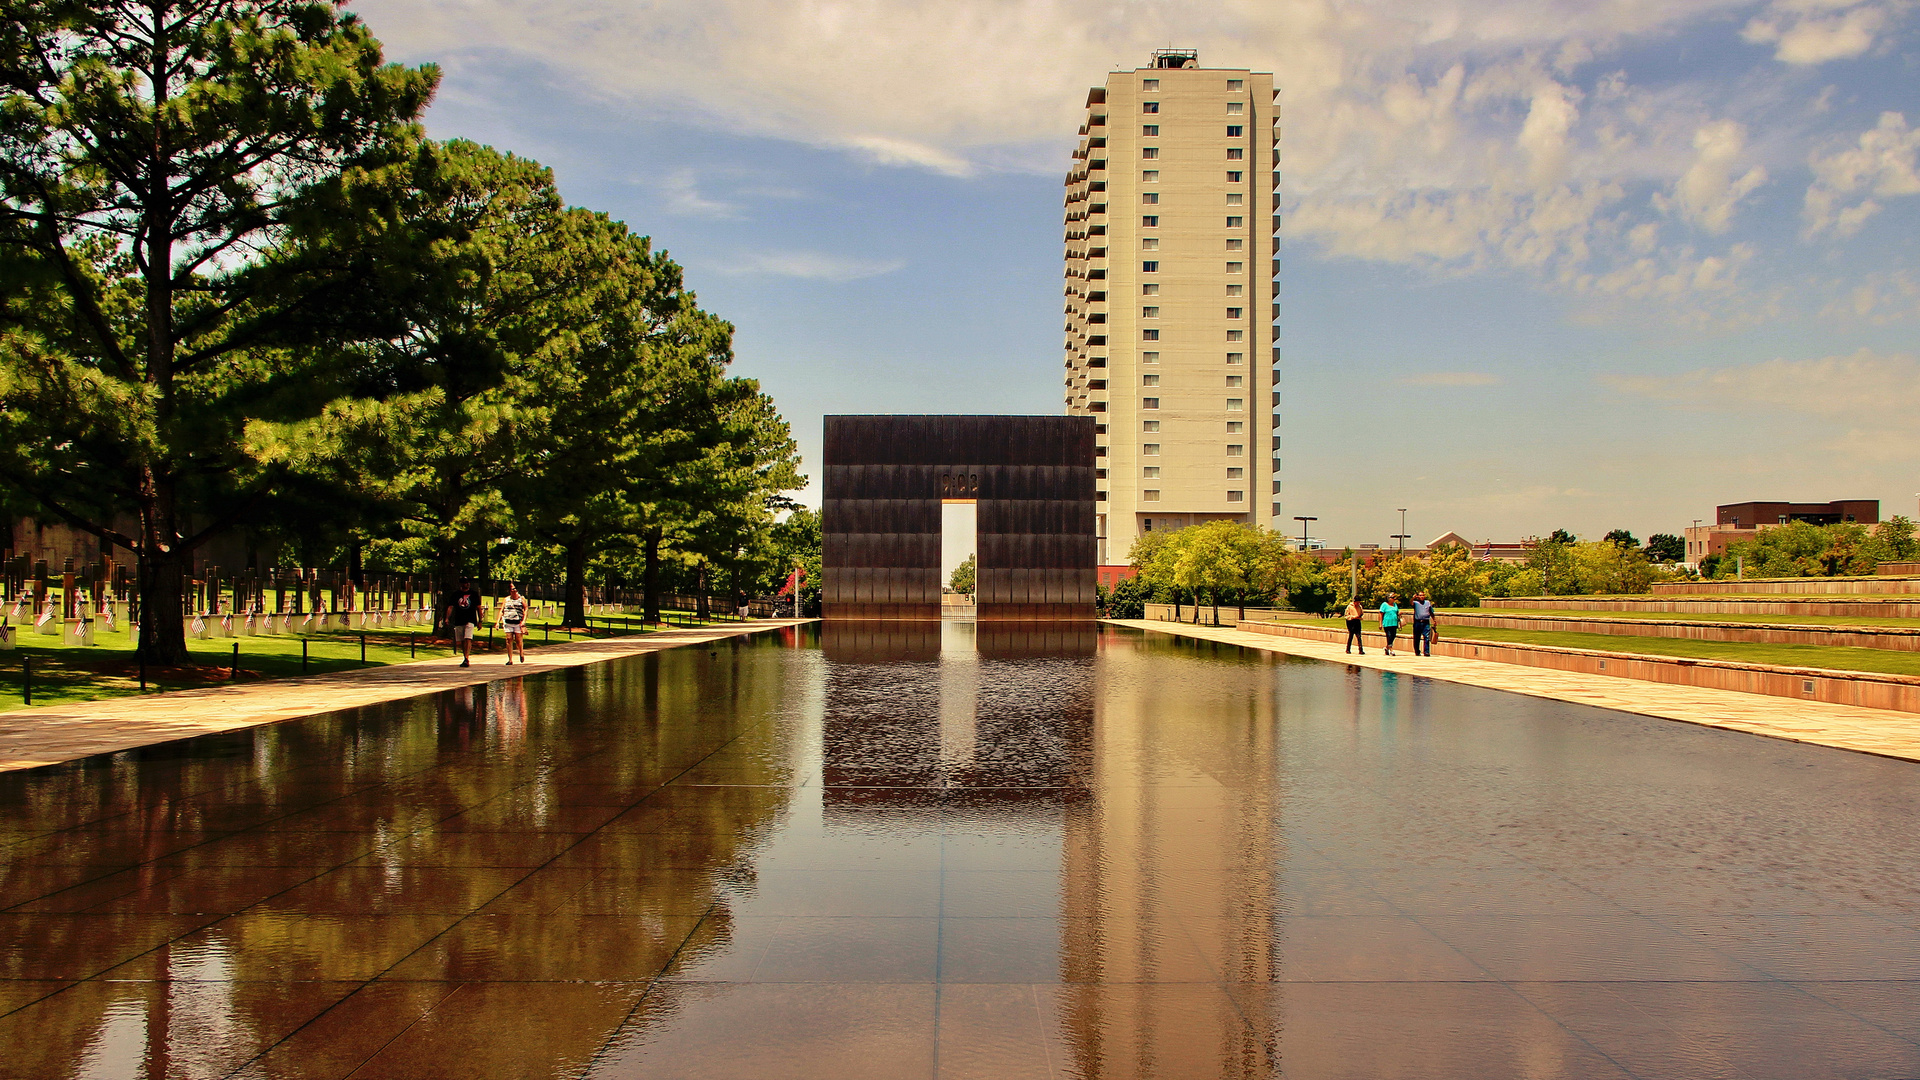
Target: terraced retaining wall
(1895, 638)
(1888, 608)
(1867, 689)
(1830, 586)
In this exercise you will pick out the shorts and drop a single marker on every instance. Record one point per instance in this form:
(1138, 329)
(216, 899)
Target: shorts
(515, 629)
(462, 631)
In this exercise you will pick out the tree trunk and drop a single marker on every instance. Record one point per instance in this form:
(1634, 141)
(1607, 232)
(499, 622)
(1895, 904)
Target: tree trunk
(163, 599)
(703, 609)
(650, 582)
(576, 600)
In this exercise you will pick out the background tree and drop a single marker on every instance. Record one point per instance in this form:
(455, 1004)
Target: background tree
(962, 579)
(148, 154)
(487, 284)
(1621, 537)
(1561, 536)
(1666, 548)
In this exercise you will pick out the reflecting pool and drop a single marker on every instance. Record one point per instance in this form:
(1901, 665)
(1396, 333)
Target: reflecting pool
(961, 851)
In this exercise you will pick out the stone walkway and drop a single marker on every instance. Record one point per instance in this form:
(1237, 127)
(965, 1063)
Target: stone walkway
(1846, 727)
(35, 737)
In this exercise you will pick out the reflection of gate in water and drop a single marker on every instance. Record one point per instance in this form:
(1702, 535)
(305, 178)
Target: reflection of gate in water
(1031, 476)
(1149, 879)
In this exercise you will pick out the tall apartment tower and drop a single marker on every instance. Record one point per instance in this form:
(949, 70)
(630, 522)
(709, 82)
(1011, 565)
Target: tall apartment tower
(1172, 205)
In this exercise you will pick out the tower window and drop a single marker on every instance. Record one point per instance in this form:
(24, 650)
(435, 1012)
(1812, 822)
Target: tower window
(1234, 382)
(1150, 176)
(1236, 473)
(1149, 312)
(1236, 335)
(1236, 290)
(1150, 243)
(1150, 266)
(1150, 495)
(1236, 358)
(1151, 131)
(1236, 84)
(1236, 450)
(1236, 268)
(1236, 153)
(1235, 108)
(1151, 449)
(1236, 245)
(1236, 496)
(1149, 289)
(1154, 84)
(1149, 357)
(1236, 131)
(1150, 472)
(1235, 404)
(1150, 380)
(1236, 222)
(1149, 152)
(1150, 426)
(1234, 176)
(1235, 199)
(1150, 221)
(1151, 198)
(1149, 106)
(1150, 335)
(1150, 403)
(1236, 313)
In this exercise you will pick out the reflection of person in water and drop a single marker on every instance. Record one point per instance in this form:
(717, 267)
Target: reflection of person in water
(462, 714)
(510, 711)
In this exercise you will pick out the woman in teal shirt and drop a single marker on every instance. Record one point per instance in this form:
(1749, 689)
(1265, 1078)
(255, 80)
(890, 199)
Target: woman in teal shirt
(1390, 619)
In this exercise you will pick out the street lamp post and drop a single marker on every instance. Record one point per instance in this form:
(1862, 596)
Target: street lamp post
(1303, 529)
(1402, 534)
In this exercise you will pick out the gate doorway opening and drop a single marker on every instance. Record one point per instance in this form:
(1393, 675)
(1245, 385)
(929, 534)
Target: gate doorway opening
(959, 557)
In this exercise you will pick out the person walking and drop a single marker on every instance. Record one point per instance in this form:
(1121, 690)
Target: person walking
(1353, 615)
(513, 620)
(1422, 624)
(1390, 619)
(464, 613)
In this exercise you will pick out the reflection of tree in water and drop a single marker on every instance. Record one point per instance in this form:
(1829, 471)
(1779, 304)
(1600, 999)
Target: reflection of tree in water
(445, 804)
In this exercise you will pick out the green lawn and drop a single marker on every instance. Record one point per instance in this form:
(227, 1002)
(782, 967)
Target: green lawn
(63, 674)
(1698, 617)
(1810, 656)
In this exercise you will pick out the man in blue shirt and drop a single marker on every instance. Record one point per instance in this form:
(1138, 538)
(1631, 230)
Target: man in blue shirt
(1422, 625)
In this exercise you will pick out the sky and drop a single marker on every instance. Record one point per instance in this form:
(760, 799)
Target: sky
(1580, 264)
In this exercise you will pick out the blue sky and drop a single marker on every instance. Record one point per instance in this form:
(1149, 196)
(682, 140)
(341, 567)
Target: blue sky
(1545, 264)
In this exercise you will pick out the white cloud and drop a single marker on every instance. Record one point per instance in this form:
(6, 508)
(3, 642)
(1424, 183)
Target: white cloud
(1451, 378)
(1452, 135)
(1708, 192)
(1857, 408)
(681, 191)
(1885, 162)
(1879, 298)
(1864, 384)
(1816, 31)
(809, 266)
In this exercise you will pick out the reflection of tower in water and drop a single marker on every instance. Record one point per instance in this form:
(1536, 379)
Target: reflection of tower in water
(1166, 861)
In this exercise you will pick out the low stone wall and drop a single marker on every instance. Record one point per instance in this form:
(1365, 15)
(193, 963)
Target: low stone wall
(1900, 693)
(1898, 569)
(1224, 615)
(1890, 608)
(1886, 583)
(1895, 638)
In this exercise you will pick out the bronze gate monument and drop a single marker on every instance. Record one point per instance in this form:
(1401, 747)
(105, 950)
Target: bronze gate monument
(1031, 478)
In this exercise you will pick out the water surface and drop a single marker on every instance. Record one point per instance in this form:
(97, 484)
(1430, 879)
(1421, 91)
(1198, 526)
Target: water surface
(959, 852)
